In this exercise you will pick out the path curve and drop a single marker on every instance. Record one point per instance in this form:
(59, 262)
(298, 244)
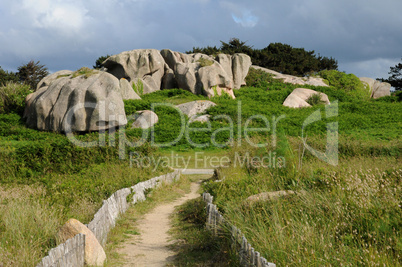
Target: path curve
(150, 248)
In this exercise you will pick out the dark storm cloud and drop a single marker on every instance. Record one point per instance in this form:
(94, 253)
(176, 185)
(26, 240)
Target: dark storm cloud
(363, 35)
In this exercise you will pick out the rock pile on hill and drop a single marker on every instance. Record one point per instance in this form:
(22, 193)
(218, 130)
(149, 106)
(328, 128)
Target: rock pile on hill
(315, 81)
(92, 100)
(378, 89)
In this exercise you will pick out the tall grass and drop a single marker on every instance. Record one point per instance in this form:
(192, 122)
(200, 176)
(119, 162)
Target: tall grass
(29, 221)
(27, 226)
(12, 97)
(348, 215)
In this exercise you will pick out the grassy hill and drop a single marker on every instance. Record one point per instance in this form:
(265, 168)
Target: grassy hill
(348, 214)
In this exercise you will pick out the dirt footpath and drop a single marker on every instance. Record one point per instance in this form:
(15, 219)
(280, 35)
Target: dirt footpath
(150, 248)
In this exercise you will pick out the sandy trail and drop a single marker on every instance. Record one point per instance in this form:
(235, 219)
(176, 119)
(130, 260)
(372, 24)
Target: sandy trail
(150, 248)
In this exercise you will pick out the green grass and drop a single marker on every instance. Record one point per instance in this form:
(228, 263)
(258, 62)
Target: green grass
(127, 224)
(85, 72)
(29, 222)
(348, 214)
(369, 119)
(195, 245)
(138, 87)
(67, 181)
(188, 233)
(12, 97)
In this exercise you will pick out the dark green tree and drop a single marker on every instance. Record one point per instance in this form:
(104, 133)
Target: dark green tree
(6, 76)
(277, 56)
(32, 73)
(99, 61)
(209, 50)
(235, 46)
(396, 77)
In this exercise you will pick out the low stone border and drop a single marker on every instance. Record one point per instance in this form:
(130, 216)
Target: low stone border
(71, 253)
(215, 220)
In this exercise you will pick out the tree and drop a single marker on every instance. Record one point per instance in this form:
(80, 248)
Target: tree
(32, 73)
(6, 76)
(99, 61)
(396, 77)
(277, 56)
(235, 46)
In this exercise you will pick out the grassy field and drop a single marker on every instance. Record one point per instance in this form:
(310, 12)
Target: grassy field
(349, 214)
(344, 215)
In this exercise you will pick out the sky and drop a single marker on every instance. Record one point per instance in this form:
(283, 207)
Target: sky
(365, 36)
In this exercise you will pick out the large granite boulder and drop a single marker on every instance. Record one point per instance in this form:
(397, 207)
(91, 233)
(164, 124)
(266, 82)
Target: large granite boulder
(126, 90)
(52, 77)
(236, 66)
(240, 66)
(315, 81)
(202, 74)
(94, 252)
(298, 98)
(186, 79)
(377, 89)
(144, 65)
(86, 100)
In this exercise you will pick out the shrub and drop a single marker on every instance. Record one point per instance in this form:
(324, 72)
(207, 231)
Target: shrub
(204, 62)
(315, 99)
(259, 78)
(138, 87)
(347, 82)
(12, 97)
(6, 76)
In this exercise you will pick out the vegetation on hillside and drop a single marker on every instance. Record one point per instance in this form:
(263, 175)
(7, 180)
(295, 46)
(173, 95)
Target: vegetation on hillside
(344, 215)
(29, 74)
(276, 56)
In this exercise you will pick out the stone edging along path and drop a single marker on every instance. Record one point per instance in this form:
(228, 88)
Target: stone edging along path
(215, 222)
(71, 253)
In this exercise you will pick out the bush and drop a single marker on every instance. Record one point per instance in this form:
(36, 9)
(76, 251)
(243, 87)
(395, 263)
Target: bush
(6, 76)
(315, 99)
(347, 82)
(204, 62)
(259, 78)
(12, 97)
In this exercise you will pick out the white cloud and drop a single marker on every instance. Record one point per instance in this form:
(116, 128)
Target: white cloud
(247, 20)
(56, 14)
(240, 14)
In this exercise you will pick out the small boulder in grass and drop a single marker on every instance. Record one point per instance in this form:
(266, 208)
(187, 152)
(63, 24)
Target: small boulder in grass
(94, 253)
(144, 119)
(298, 98)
